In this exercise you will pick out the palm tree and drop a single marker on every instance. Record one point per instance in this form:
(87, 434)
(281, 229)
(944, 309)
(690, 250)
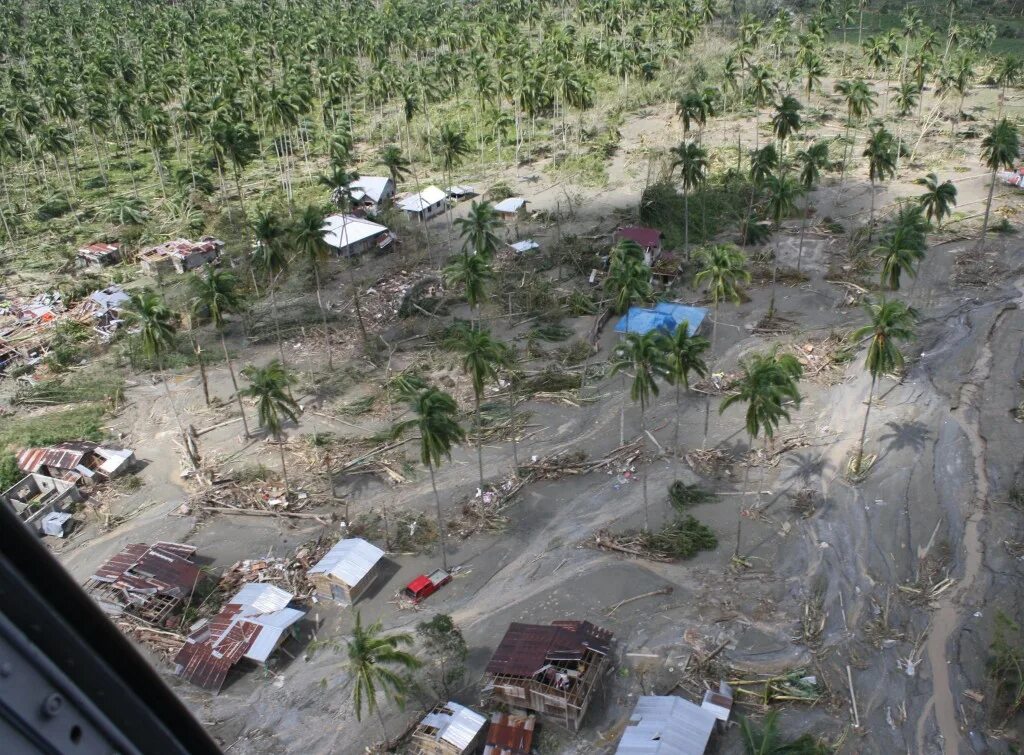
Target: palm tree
(1007, 72)
(685, 354)
(217, 294)
(482, 356)
(859, 102)
(890, 321)
(629, 279)
(471, 272)
(723, 270)
(811, 161)
(340, 181)
(270, 260)
(786, 120)
(236, 143)
(157, 333)
(765, 739)
(436, 419)
(1000, 148)
(270, 387)
(938, 199)
(881, 154)
(372, 660)
(900, 250)
(763, 162)
(783, 191)
(477, 230)
(644, 355)
(453, 146)
(906, 97)
(391, 157)
(692, 161)
(308, 237)
(766, 383)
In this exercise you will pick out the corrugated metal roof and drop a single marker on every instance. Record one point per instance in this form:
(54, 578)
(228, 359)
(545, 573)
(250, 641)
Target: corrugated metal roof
(455, 724)
(666, 726)
(512, 204)
(373, 187)
(263, 597)
(645, 237)
(419, 202)
(527, 647)
(341, 231)
(349, 561)
(526, 245)
(161, 568)
(510, 735)
(63, 456)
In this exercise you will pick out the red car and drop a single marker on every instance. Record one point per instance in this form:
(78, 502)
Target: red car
(424, 586)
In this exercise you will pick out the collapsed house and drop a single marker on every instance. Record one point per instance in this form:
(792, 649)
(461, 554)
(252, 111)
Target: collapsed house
(449, 729)
(424, 205)
(665, 316)
(667, 725)
(180, 255)
(347, 570)
(550, 670)
(98, 255)
(42, 502)
(146, 581)
(77, 461)
(371, 192)
(252, 625)
(510, 734)
(350, 236)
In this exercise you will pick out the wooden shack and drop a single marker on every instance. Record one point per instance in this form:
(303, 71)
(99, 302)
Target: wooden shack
(449, 729)
(347, 570)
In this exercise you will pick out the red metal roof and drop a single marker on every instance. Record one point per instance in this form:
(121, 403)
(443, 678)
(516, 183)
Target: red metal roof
(210, 652)
(645, 237)
(61, 457)
(526, 648)
(509, 735)
(161, 568)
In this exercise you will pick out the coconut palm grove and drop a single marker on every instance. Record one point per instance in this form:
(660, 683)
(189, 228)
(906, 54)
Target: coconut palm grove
(595, 376)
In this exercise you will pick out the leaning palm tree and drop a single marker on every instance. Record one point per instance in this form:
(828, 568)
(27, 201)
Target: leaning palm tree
(767, 382)
(890, 321)
(391, 157)
(1000, 148)
(692, 161)
(308, 238)
(155, 321)
(881, 152)
(471, 273)
(811, 161)
(270, 387)
(477, 230)
(901, 250)
(685, 354)
(644, 356)
(482, 356)
(938, 199)
(373, 659)
(437, 421)
(723, 270)
(216, 294)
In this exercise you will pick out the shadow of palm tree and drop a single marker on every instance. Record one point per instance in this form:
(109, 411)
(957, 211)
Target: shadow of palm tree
(806, 467)
(912, 435)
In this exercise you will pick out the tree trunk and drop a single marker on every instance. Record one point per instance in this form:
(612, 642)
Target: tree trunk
(675, 434)
(358, 305)
(871, 217)
(511, 419)
(202, 369)
(622, 414)
(277, 321)
(686, 221)
(707, 397)
(383, 728)
(643, 477)
(803, 229)
(739, 511)
(988, 209)
(864, 429)
(479, 440)
(284, 467)
(440, 518)
(234, 383)
(323, 315)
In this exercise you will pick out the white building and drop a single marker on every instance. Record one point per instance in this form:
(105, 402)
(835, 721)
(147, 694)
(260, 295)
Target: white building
(347, 570)
(425, 205)
(371, 192)
(349, 235)
(668, 725)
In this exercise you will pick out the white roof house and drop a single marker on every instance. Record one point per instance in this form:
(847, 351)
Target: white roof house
(349, 561)
(108, 298)
(510, 205)
(667, 725)
(266, 606)
(453, 724)
(526, 245)
(344, 231)
(426, 198)
(374, 188)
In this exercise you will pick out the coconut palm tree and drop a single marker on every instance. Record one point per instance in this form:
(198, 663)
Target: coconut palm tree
(374, 661)
(471, 272)
(766, 384)
(236, 143)
(880, 152)
(339, 181)
(482, 357)
(270, 388)
(999, 149)
(811, 161)
(453, 147)
(270, 261)
(1007, 72)
(786, 120)
(155, 321)
(766, 740)
(901, 250)
(692, 161)
(860, 101)
(890, 321)
(477, 230)
(308, 237)
(216, 294)
(629, 279)
(437, 422)
(391, 157)
(783, 191)
(684, 353)
(644, 356)
(938, 199)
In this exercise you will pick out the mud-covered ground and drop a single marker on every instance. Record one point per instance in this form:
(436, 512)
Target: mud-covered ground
(934, 505)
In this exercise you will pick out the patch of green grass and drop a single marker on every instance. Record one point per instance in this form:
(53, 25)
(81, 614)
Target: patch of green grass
(586, 169)
(73, 389)
(79, 423)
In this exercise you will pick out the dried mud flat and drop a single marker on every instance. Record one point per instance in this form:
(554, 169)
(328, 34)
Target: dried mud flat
(887, 589)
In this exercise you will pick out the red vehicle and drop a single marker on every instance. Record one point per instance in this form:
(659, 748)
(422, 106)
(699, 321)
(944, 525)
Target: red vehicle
(424, 586)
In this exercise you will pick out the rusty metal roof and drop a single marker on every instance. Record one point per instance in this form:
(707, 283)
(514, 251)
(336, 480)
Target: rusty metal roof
(509, 735)
(210, 652)
(526, 648)
(162, 568)
(63, 456)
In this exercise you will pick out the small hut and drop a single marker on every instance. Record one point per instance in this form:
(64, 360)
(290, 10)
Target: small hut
(449, 729)
(347, 570)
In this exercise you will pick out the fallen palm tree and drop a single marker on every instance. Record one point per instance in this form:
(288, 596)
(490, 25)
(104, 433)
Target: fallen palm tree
(682, 538)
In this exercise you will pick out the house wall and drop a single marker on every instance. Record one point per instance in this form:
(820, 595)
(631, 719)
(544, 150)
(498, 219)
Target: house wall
(327, 586)
(429, 212)
(62, 494)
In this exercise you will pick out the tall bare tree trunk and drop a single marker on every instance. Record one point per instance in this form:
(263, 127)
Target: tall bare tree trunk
(234, 383)
(440, 518)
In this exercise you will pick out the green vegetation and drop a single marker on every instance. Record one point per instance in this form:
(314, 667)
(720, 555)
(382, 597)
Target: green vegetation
(80, 423)
(1006, 666)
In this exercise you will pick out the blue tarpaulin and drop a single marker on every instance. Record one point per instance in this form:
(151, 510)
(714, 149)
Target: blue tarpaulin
(664, 316)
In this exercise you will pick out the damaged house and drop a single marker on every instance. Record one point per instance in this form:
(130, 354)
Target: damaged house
(76, 461)
(347, 570)
(449, 729)
(180, 255)
(551, 670)
(146, 581)
(42, 502)
(252, 625)
(669, 725)
(98, 255)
